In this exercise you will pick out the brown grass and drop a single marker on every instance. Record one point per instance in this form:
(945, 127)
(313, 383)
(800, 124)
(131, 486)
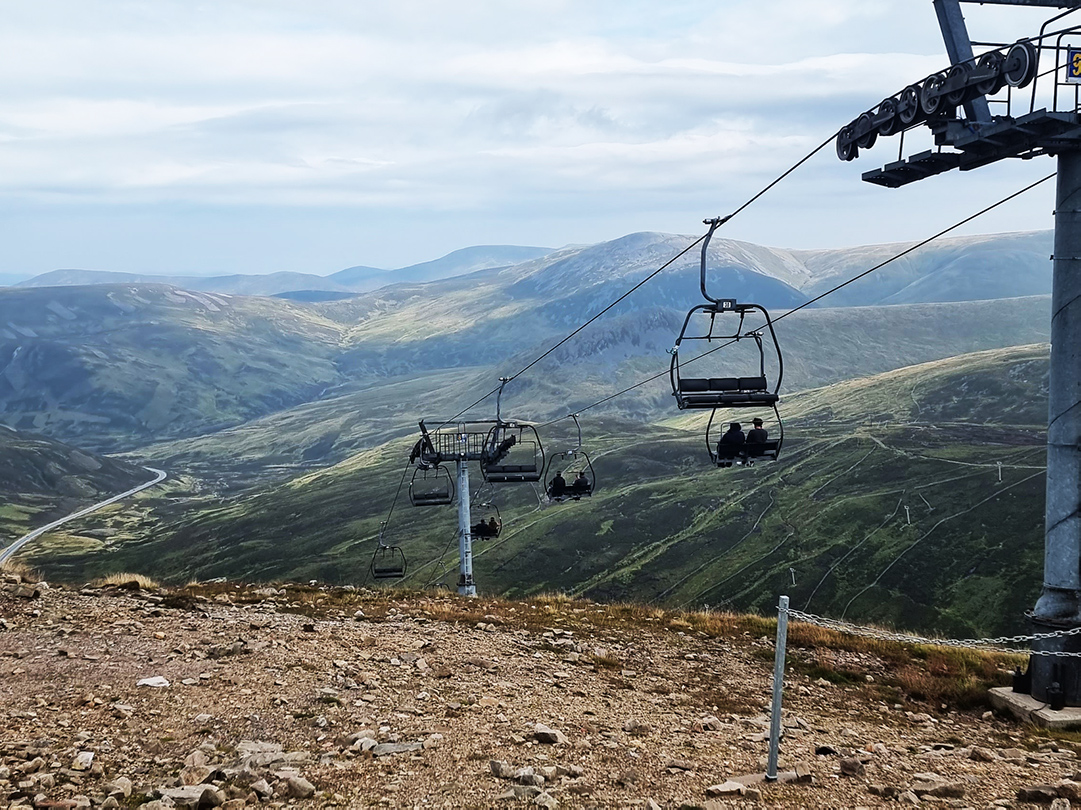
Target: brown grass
(21, 570)
(927, 674)
(133, 582)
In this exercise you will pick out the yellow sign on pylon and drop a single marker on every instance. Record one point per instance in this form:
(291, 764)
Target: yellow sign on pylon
(1073, 65)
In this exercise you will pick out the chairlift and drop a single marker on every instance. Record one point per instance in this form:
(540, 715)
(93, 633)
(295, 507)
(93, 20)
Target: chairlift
(726, 392)
(490, 525)
(745, 453)
(388, 562)
(513, 452)
(576, 478)
(431, 486)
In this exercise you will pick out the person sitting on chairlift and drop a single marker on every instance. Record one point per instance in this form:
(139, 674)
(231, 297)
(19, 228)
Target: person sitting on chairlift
(757, 434)
(557, 488)
(734, 438)
(486, 529)
(581, 484)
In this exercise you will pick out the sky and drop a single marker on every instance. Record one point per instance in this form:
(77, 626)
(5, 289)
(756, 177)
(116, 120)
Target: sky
(255, 136)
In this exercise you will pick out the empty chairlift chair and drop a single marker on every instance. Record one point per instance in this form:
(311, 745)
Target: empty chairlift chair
(740, 392)
(513, 454)
(388, 562)
(431, 486)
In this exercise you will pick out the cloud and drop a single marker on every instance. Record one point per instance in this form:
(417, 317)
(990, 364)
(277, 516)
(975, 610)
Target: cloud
(557, 110)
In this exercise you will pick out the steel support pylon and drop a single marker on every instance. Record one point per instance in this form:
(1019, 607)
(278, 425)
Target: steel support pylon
(1059, 607)
(466, 586)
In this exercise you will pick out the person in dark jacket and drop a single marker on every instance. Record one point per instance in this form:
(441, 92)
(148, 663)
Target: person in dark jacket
(581, 484)
(733, 439)
(757, 434)
(557, 487)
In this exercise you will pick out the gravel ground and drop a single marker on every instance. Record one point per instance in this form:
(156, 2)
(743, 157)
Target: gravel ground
(290, 696)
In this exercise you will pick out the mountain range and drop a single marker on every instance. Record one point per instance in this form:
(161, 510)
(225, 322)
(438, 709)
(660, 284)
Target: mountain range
(348, 281)
(285, 424)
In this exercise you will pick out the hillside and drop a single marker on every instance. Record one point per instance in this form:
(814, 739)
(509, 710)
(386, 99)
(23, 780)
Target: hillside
(112, 367)
(328, 697)
(820, 347)
(41, 480)
(665, 528)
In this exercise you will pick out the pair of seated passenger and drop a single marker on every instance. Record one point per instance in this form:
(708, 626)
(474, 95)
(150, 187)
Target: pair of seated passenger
(487, 529)
(734, 443)
(558, 489)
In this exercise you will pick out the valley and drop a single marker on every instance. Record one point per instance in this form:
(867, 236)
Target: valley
(285, 427)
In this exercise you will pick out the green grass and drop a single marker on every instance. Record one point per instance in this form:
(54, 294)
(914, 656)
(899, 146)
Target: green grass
(664, 527)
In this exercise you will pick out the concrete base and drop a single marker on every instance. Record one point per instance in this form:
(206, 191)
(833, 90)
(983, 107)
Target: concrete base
(1030, 710)
(801, 775)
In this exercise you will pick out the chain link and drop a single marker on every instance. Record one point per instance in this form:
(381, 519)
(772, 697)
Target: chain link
(998, 645)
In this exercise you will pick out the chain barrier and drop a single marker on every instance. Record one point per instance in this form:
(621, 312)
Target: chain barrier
(997, 645)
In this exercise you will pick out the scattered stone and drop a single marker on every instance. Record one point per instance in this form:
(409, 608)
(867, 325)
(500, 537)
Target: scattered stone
(978, 754)
(728, 788)
(825, 751)
(121, 786)
(387, 749)
(850, 766)
(548, 735)
(545, 800)
(885, 791)
(501, 769)
(710, 723)
(156, 682)
(680, 764)
(297, 787)
(638, 728)
(191, 796)
(1039, 794)
(1060, 804)
(195, 774)
(83, 761)
(1070, 790)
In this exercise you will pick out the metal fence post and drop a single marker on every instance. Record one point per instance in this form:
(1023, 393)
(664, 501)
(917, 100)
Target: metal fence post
(778, 686)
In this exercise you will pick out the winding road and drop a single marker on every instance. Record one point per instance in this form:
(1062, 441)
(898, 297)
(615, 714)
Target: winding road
(13, 549)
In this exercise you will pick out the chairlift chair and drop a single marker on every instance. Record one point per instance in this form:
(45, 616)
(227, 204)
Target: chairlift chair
(747, 453)
(483, 529)
(431, 486)
(569, 464)
(513, 453)
(726, 392)
(388, 562)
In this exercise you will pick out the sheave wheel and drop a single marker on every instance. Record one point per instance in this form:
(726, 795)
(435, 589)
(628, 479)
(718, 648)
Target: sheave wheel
(869, 135)
(991, 62)
(846, 147)
(931, 95)
(1021, 61)
(890, 123)
(955, 98)
(908, 105)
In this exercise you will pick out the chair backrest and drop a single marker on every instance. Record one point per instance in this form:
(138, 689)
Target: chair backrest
(693, 384)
